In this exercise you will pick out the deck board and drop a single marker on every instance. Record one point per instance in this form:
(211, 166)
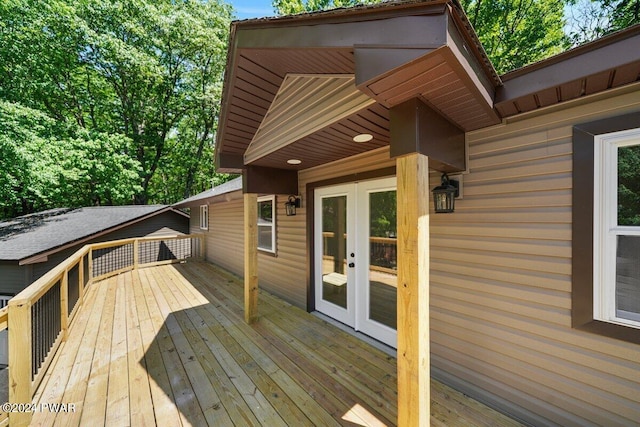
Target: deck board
(168, 345)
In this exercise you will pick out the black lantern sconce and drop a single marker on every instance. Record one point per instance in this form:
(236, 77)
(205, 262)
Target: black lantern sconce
(291, 204)
(444, 195)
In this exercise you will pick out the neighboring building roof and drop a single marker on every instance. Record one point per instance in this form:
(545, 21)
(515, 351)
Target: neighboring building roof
(227, 187)
(33, 234)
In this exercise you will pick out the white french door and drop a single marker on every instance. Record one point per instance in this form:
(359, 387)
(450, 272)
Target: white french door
(355, 256)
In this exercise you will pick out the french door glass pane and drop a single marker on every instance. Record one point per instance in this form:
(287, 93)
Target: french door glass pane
(334, 250)
(628, 278)
(383, 258)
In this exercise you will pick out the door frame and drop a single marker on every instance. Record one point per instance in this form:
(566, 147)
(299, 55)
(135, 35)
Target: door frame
(356, 323)
(363, 322)
(310, 214)
(346, 315)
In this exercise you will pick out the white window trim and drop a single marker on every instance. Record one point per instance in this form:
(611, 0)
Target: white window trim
(204, 217)
(605, 224)
(271, 198)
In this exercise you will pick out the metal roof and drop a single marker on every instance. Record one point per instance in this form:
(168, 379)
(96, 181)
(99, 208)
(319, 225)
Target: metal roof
(225, 188)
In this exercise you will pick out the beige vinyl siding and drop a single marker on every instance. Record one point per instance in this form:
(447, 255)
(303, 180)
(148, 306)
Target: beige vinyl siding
(224, 238)
(501, 279)
(285, 273)
(369, 161)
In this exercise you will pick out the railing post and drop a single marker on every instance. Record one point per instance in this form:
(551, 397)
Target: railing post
(81, 279)
(203, 253)
(90, 263)
(136, 251)
(20, 359)
(64, 304)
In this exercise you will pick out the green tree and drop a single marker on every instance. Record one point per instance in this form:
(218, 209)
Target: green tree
(591, 19)
(49, 164)
(629, 185)
(515, 33)
(137, 68)
(290, 7)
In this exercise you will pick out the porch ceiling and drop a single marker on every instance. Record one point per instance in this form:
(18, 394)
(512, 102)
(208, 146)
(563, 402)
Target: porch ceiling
(304, 105)
(386, 47)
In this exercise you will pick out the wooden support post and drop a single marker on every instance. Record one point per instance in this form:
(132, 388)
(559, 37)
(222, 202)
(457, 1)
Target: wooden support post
(250, 257)
(20, 356)
(413, 291)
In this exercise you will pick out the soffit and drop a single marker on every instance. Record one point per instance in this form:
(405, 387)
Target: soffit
(303, 105)
(265, 54)
(604, 64)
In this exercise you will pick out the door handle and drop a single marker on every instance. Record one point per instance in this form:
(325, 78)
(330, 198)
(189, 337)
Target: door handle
(352, 264)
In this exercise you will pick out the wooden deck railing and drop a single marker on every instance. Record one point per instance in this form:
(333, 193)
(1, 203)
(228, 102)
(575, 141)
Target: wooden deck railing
(39, 317)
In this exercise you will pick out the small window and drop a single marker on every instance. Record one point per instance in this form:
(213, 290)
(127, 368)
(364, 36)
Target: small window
(204, 217)
(267, 223)
(616, 275)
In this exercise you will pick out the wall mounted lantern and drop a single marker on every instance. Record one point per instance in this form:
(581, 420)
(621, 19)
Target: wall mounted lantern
(445, 194)
(291, 204)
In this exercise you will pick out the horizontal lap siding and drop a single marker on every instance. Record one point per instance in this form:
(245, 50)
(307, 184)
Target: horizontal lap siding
(285, 273)
(501, 280)
(224, 239)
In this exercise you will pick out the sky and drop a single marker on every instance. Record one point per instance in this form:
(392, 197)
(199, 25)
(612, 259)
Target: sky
(246, 9)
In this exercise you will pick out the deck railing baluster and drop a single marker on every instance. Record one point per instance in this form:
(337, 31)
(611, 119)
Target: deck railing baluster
(39, 317)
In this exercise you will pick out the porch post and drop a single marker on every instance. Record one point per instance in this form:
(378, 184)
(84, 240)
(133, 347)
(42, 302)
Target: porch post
(250, 257)
(413, 290)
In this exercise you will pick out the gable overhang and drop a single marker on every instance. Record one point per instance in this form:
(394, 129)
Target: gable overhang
(302, 87)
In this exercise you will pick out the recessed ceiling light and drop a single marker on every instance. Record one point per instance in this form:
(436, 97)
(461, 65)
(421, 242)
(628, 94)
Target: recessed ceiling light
(294, 161)
(363, 137)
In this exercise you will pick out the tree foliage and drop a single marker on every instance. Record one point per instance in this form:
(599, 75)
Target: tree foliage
(629, 185)
(591, 19)
(148, 71)
(290, 7)
(515, 33)
(49, 164)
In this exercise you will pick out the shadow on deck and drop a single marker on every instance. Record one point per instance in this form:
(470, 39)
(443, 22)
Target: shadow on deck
(168, 346)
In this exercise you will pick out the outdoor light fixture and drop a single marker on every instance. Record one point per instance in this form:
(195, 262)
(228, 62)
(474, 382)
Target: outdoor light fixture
(292, 203)
(445, 194)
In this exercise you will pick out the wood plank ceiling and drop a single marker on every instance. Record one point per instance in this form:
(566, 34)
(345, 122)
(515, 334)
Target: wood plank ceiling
(260, 74)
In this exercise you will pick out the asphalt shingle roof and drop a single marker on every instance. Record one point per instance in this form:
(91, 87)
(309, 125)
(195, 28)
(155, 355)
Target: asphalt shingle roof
(32, 234)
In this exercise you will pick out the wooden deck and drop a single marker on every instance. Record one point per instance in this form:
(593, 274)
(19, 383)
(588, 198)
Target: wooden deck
(168, 346)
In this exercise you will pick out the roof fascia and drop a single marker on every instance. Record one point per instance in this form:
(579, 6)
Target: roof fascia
(210, 200)
(244, 34)
(604, 54)
(405, 31)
